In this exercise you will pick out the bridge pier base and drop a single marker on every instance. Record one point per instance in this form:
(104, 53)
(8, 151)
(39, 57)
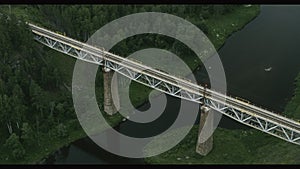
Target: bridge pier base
(203, 148)
(109, 106)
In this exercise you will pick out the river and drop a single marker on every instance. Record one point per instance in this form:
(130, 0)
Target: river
(270, 40)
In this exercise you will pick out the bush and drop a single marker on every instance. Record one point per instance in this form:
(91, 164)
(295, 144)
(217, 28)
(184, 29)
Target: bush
(61, 131)
(15, 147)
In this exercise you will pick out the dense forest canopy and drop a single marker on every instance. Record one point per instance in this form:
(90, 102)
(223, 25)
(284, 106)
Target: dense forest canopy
(27, 80)
(81, 21)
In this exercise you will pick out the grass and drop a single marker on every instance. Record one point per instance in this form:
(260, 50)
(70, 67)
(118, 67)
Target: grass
(232, 147)
(292, 110)
(222, 26)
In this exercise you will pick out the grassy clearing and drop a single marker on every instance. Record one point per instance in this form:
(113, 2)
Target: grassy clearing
(232, 147)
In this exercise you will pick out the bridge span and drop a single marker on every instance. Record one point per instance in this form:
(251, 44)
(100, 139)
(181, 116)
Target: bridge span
(241, 111)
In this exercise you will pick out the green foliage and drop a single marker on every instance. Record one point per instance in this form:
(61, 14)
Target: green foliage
(15, 147)
(28, 83)
(80, 21)
(61, 131)
(60, 108)
(231, 147)
(292, 109)
(27, 135)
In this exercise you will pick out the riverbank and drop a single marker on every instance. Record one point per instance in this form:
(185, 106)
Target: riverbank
(232, 147)
(49, 144)
(292, 109)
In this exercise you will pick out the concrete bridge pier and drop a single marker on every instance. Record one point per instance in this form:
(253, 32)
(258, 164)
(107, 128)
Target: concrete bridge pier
(203, 148)
(109, 106)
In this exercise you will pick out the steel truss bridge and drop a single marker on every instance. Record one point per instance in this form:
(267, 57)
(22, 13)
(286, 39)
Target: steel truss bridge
(241, 111)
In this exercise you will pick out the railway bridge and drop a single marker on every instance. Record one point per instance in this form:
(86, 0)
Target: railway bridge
(237, 109)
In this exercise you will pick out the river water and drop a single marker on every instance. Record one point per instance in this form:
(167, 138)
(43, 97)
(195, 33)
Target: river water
(270, 40)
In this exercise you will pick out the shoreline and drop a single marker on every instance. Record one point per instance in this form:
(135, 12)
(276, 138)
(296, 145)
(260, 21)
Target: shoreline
(247, 23)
